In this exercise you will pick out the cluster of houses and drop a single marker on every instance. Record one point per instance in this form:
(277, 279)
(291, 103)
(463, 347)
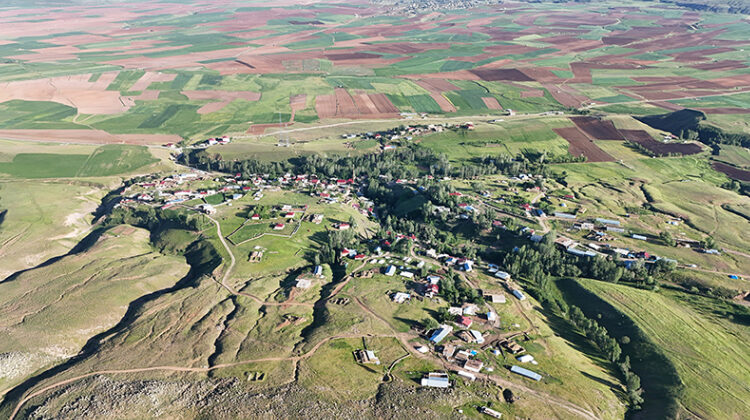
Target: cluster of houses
(214, 141)
(399, 133)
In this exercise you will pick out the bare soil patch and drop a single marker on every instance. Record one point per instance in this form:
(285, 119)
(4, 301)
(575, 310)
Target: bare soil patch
(658, 148)
(597, 129)
(492, 75)
(580, 144)
(491, 103)
(731, 171)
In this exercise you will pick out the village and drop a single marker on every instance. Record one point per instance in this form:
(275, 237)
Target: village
(472, 337)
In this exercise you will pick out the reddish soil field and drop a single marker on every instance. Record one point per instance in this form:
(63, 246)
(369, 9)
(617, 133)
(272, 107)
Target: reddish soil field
(491, 103)
(436, 85)
(580, 144)
(258, 129)
(731, 171)
(325, 106)
(75, 91)
(725, 111)
(566, 95)
(351, 56)
(383, 104)
(492, 75)
(597, 129)
(88, 137)
(636, 135)
(150, 77)
(721, 65)
(221, 95)
(297, 103)
(536, 93)
(443, 102)
(212, 107)
(617, 40)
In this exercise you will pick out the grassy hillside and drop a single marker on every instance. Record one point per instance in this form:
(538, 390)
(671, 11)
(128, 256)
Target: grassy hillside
(708, 351)
(48, 313)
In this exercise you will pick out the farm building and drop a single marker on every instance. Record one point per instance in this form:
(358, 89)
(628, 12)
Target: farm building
(525, 372)
(608, 221)
(562, 215)
(366, 357)
(494, 298)
(436, 380)
(407, 274)
(502, 275)
(441, 333)
(467, 375)
(490, 412)
(517, 293)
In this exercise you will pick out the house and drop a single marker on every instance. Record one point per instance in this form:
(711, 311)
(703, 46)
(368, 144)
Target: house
(433, 279)
(464, 321)
(448, 350)
(477, 336)
(491, 316)
(390, 270)
(463, 355)
(255, 256)
(207, 208)
(278, 226)
(502, 275)
(469, 309)
(255, 217)
(303, 283)
(453, 310)
(436, 380)
(317, 219)
(525, 372)
(639, 237)
(441, 333)
(473, 365)
(318, 271)
(366, 357)
(289, 215)
(400, 297)
(466, 336)
(431, 290)
(342, 226)
(407, 274)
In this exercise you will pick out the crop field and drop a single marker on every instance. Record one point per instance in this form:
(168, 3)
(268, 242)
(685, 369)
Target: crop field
(180, 82)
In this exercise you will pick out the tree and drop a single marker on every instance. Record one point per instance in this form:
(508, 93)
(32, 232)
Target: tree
(430, 323)
(709, 242)
(667, 238)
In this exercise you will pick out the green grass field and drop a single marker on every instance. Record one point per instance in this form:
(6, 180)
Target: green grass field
(103, 161)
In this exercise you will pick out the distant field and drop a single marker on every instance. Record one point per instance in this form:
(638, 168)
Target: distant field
(104, 161)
